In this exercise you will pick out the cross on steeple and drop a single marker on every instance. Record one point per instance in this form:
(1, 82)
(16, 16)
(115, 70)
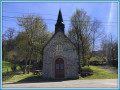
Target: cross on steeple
(59, 26)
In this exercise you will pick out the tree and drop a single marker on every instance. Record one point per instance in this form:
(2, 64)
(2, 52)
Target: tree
(82, 34)
(4, 50)
(22, 48)
(96, 33)
(10, 34)
(36, 34)
(8, 43)
(110, 50)
(79, 32)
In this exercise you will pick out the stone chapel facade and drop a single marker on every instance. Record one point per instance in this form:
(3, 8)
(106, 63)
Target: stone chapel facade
(59, 55)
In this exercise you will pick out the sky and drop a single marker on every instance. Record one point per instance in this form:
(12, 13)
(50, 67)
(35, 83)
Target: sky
(106, 12)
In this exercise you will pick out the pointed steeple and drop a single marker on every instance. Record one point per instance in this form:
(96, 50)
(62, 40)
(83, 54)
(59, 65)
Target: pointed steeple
(59, 26)
(60, 19)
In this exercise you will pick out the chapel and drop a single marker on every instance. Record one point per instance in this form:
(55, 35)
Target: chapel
(60, 54)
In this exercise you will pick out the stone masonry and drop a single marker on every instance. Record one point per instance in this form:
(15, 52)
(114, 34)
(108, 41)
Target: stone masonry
(68, 53)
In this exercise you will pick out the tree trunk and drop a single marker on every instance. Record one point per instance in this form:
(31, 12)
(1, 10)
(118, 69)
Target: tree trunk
(29, 66)
(25, 69)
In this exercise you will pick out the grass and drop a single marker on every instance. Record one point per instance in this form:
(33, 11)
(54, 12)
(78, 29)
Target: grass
(7, 71)
(32, 78)
(7, 66)
(100, 73)
(18, 77)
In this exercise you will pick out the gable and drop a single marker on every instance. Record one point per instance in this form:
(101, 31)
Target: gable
(59, 35)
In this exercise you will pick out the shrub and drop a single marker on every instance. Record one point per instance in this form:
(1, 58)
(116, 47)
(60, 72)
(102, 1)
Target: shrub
(97, 61)
(86, 72)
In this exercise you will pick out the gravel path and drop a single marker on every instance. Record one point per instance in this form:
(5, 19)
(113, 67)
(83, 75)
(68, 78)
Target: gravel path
(96, 83)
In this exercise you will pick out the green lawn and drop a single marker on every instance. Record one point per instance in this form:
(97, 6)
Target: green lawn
(100, 73)
(18, 77)
(31, 78)
(7, 65)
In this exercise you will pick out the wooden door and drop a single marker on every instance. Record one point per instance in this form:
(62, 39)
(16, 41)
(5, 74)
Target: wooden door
(59, 68)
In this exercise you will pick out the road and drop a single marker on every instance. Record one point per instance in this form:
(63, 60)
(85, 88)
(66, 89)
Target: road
(96, 83)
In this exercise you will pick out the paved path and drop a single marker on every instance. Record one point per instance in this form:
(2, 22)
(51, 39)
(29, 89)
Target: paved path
(96, 83)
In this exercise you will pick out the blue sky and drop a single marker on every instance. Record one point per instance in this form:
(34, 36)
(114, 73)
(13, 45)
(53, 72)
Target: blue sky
(106, 12)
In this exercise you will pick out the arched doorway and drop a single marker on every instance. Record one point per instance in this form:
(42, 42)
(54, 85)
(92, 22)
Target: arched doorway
(59, 68)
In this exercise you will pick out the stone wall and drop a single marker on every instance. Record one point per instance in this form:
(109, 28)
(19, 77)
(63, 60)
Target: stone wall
(68, 53)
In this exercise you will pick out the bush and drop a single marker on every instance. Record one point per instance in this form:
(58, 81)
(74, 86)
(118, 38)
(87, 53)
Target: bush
(97, 61)
(86, 72)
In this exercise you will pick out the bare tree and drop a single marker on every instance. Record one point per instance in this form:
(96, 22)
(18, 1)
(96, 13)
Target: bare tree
(10, 35)
(110, 49)
(96, 32)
